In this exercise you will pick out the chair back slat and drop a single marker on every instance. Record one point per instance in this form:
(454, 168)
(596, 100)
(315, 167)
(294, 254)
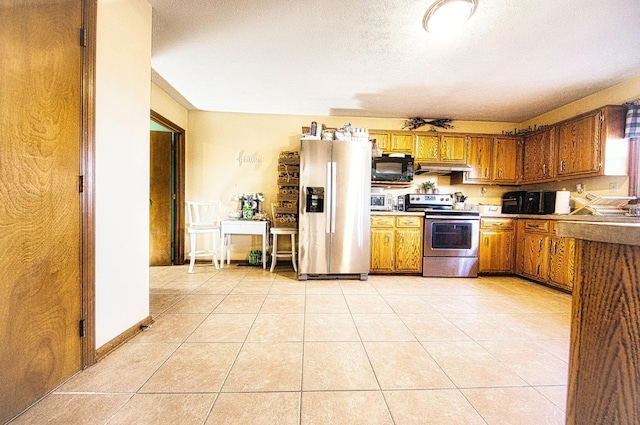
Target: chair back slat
(202, 213)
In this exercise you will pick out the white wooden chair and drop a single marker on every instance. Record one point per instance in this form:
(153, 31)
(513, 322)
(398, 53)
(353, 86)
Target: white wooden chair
(203, 219)
(275, 253)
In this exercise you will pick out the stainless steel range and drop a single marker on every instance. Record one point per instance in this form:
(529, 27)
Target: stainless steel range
(451, 237)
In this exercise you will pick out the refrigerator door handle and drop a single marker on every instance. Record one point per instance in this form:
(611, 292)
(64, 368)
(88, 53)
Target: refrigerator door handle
(334, 189)
(328, 197)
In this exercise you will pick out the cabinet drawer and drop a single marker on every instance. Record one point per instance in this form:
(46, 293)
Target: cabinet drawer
(496, 223)
(409, 221)
(536, 226)
(382, 220)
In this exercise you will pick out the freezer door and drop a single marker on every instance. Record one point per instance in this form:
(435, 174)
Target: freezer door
(350, 207)
(313, 230)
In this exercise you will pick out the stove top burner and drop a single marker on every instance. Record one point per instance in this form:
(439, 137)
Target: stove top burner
(429, 200)
(451, 214)
(434, 205)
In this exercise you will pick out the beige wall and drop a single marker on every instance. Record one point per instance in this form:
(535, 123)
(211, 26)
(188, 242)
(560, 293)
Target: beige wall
(216, 139)
(164, 105)
(615, 95)
(122, 166)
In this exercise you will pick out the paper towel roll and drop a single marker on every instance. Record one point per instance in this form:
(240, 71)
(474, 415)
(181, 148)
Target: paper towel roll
(562, 202)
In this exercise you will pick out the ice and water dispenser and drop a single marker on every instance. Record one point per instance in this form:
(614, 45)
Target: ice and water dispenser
(315, 200)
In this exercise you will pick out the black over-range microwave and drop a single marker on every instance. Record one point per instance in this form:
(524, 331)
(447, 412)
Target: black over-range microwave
(390, 168)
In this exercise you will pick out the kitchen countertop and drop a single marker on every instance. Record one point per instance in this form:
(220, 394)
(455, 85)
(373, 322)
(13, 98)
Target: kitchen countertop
(581, 218)
(562, 217)
(618, 233)
(414, 213)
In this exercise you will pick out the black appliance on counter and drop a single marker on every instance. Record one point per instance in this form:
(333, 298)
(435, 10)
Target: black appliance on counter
(513, 202)
(540, 202)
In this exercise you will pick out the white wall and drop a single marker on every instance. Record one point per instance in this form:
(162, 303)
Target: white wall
(123, 92)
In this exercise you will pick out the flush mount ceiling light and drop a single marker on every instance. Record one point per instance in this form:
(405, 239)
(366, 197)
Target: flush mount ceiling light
(445, 16)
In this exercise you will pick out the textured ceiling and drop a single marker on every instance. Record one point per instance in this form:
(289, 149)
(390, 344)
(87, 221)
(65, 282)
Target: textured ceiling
(515, 59)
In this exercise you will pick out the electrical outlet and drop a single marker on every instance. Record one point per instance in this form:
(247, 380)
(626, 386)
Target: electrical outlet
(579, 188)
(613, 187)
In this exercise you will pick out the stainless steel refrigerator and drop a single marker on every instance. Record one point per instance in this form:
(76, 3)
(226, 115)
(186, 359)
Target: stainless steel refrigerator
(335, 187)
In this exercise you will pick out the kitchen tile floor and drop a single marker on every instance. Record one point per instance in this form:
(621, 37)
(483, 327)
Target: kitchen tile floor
(244, 346)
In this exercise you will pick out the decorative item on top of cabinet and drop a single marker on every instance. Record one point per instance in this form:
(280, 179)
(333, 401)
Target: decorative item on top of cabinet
(286, 209)
(496, 251)
(396, 244)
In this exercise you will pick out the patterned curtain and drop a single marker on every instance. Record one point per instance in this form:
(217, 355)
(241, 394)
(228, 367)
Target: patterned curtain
(632, 126)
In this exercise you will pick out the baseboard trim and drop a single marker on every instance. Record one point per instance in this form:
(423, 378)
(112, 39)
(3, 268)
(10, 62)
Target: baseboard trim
(125, 336)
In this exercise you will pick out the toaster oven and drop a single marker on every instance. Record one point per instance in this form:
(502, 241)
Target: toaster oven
(381, 202)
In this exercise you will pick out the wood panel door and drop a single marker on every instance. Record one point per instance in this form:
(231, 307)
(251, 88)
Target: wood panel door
(40, 201)
(160, 199)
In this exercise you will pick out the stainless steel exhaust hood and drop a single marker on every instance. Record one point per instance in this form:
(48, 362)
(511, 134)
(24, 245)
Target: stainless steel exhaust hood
(440, 169)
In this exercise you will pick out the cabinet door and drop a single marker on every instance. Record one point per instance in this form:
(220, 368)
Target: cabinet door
(505, 160)
(536, 256)
(427, 148)
(408, 250)
(382, 250)
(402, 143)
(538, 156)
(453, 149)
(579, 146)
(383, 140)
(518, 265)
(479, 154)
(496, 252)
(562, 262)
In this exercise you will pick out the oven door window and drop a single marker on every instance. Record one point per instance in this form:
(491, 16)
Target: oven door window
(451, 235)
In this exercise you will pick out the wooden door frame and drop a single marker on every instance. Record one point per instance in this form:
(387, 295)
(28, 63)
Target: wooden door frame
(178, 218)
(87, 173)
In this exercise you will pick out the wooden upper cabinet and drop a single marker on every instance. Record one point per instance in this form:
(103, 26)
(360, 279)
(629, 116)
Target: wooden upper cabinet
(579, 146)
(593, 144)
(453, 148)
(402, 143)
(479, 157)
(427, 147)
(440, 148)
(383, 140)
(538, 155)
(507, 165)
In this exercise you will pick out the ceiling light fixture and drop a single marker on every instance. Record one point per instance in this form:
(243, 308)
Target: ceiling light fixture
(444, 16)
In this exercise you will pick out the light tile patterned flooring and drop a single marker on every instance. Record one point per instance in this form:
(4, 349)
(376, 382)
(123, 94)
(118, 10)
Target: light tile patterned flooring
(245, 346)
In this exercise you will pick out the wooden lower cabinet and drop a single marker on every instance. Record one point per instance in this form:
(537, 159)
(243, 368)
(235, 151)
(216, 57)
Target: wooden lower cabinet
(562, 262)
(496, 251)
(604, 364)
(543, 256)
(396, 244)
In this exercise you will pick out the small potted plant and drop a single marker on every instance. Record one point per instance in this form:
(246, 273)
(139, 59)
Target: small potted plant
(427, 187)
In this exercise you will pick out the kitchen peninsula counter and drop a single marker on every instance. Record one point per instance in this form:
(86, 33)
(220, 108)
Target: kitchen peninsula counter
(564, 217)
(604, 369)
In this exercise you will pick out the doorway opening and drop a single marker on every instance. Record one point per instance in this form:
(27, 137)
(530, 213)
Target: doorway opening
(166, 196)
